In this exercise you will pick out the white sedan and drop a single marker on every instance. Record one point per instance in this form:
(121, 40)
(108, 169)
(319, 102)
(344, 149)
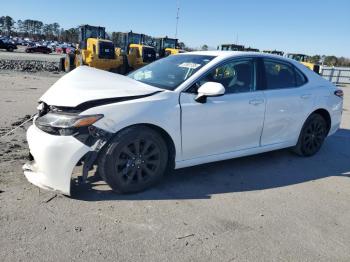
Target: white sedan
(180, 111)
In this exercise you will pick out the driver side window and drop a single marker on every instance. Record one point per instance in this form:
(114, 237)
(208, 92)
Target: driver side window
(236, 76)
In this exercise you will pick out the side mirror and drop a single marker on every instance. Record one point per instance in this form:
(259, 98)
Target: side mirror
(209, 89)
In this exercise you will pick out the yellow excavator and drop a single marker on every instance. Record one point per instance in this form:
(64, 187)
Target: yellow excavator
(166, 46)
(305, 60)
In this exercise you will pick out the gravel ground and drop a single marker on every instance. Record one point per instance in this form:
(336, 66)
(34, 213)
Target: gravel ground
(270, 207)
(32, 62)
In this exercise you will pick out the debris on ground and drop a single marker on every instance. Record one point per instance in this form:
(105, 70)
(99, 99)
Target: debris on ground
(190, 235)
(51, 198)
(78, 229)
(21, 120)
(29, 65)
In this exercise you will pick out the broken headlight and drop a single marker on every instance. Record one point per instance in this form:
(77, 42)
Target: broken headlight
(65, 124)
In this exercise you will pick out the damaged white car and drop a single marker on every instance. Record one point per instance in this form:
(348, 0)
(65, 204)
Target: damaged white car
(180, 111)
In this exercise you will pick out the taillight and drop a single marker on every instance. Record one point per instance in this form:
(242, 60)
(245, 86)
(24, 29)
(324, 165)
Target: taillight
(339, 93)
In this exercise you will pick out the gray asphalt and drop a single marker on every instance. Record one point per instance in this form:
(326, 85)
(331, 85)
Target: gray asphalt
(269, 207)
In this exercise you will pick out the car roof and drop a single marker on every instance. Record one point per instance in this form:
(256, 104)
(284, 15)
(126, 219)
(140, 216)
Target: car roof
(221, 55)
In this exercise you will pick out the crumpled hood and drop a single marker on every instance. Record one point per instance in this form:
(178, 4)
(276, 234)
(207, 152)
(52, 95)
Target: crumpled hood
(85, 84)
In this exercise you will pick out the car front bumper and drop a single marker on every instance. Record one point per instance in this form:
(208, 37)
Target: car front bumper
(54, 159)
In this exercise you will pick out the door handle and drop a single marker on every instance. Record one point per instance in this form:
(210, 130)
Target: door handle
(305, 96)
(256, 101)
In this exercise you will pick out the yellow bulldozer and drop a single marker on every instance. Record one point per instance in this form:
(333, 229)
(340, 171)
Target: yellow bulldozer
(305, 60)
(96, 51)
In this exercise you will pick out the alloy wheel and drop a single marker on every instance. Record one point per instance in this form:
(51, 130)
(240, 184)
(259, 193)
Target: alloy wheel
(138, 161)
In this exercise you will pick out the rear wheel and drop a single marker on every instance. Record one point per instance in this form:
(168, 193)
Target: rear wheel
(10, 49)
(61, 64)
(69, 63)
(312, 136)
(134, 160)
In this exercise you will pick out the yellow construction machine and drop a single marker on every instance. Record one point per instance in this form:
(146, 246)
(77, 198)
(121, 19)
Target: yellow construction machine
(94, 50)
(167, 46)
(305, 60)
(138, 49)
(231, 47)
(274, 52)
(250, 49)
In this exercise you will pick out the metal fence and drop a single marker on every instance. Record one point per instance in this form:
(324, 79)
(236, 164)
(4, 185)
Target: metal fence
(337, 75)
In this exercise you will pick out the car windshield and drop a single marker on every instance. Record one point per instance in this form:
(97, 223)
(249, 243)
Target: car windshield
(170, 72)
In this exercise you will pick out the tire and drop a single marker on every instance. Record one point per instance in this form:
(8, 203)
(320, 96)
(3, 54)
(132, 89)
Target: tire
(61, 64)
(10, 49)
(79, 60)
(135, 159)
(69, 63)
(124, 68)
(312, 136)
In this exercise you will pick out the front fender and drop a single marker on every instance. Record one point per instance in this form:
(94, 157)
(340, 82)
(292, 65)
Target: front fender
(161, 109)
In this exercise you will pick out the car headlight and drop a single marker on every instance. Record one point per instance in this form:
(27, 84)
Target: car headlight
(65, 124)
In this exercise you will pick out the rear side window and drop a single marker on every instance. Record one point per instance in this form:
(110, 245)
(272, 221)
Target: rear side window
(300, 78)
(281, 75)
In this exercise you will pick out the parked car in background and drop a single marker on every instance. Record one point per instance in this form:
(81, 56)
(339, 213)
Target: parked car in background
(60, 50)
(182, 110)
(38, 49)
(65, 49)
(7, 45)
(70, 50)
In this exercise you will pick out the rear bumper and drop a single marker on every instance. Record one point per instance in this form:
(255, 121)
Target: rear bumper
(335, 120)
(54, 159)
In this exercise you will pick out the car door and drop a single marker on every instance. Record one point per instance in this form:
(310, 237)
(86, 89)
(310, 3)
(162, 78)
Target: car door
(226, 123)
(288, 101)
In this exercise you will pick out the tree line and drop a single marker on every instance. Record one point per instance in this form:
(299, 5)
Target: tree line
(331, 60)
(40, 31)
(37, 30)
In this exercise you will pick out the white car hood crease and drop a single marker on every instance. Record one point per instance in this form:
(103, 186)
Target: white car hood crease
(85, 84)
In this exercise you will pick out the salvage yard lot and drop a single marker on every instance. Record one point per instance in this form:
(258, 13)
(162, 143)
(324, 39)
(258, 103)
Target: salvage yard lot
(270, 207)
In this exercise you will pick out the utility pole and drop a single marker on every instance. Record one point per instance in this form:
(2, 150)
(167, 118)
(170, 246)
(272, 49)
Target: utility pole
(177, 17)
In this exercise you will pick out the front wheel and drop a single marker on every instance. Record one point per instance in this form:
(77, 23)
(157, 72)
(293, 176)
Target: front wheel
(134, 160)
(10, 49)
(312, 136)
(69, 63)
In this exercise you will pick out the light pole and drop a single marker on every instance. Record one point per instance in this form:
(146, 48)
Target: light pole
(177, 17)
